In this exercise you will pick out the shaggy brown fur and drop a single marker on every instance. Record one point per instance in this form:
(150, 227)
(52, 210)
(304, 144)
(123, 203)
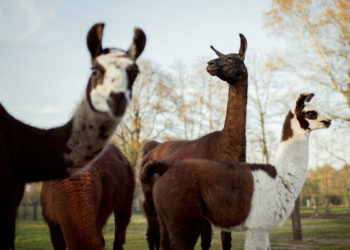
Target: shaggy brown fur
(77, 208)
(200, 189)
(229, 144)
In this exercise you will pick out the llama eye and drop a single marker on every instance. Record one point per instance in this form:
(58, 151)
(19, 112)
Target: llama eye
(311, 115)
(229, 59)
(94, 71)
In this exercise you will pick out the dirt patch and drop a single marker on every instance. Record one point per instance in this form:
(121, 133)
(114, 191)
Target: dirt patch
(329, 241)
(327, 216)
(291, 246)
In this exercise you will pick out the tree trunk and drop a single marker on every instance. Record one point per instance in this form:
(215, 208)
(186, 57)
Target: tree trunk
(326, 204)
(35, 210)
(315, 206)
(347, 202)
(25, 209)
(296, 221)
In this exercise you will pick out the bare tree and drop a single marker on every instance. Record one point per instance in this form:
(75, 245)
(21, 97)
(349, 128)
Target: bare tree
(32, 196)
(311, 189)
(148, 113)
(320, 31)
(296, 222)
(327, 177)
(148, 116)
(201, 100)
(263, 97)
(344, 183)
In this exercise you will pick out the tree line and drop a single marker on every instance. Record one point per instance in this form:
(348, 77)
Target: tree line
(327, 186)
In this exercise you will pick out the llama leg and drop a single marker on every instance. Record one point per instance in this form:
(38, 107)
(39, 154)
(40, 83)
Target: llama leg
(164, 236)
(206, 235)
(7, 225)
(183, 237)
(256, 240)
(10, 197)
(121, 221)
(226, 240)
(153, 237)
(57, 237)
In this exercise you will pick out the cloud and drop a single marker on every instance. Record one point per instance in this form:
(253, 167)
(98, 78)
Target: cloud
(49, 110)
(22, 19)
(33, 15)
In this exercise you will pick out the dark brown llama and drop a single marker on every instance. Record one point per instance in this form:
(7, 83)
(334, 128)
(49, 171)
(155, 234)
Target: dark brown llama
(234, 196)
(29, 154)
(229, 144)
(77, 208)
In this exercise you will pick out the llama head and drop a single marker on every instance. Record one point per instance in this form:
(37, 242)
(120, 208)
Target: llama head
(302, 118)
(113, 72)
(230, 67)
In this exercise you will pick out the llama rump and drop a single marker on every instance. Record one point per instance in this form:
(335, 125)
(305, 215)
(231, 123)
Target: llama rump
(229, 144)
(234, 196)
(77, 208)
(29, 154)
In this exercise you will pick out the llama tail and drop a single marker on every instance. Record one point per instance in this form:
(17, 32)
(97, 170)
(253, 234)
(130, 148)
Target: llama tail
(153, 167)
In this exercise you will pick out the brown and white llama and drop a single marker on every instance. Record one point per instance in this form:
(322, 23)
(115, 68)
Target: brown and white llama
(234, 196)
(229, 144)
(77, 208)
(29, 154)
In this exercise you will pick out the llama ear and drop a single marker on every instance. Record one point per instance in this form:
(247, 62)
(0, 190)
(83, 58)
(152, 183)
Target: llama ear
(300, 103)
(218, 53)
(243, 47)
(138, 44)
(94, 39)
(309, 97)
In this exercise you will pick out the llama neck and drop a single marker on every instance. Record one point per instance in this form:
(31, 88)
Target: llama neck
(42, 154)
(90, 133)
(233, 133)
(292, 162)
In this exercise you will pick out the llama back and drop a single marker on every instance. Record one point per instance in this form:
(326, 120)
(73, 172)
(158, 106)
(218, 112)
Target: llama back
(205, 147)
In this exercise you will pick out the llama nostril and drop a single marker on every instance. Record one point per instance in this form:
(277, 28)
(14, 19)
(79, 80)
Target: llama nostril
(210, 63)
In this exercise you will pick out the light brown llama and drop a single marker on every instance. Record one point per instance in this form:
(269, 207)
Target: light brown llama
(77, 208)
(229, 144)
(29, 154)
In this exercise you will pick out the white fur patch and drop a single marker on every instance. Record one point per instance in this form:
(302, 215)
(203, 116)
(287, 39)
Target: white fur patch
(85, 143)
(115, 79)
(316, 124)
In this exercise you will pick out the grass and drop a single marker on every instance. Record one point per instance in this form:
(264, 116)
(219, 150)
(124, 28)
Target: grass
(317, 234)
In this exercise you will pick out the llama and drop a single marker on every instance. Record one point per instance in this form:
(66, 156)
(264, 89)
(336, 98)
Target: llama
(29, 154)
(77, 208)
(229, 144)
(234, 196)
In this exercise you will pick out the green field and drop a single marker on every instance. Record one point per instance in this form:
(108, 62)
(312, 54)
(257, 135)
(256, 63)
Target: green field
(318, 233)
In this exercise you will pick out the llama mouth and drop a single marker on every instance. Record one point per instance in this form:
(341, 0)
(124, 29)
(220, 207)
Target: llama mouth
(327, 123)
(212, 71)
(117, 103)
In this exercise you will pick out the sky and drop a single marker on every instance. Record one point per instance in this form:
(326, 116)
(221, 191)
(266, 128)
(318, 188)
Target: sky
(45, 64)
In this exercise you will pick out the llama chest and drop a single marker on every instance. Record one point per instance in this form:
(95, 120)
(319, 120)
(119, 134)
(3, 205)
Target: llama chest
(272, 201)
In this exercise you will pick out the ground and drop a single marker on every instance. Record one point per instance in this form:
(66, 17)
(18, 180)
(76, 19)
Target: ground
(326, 232)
